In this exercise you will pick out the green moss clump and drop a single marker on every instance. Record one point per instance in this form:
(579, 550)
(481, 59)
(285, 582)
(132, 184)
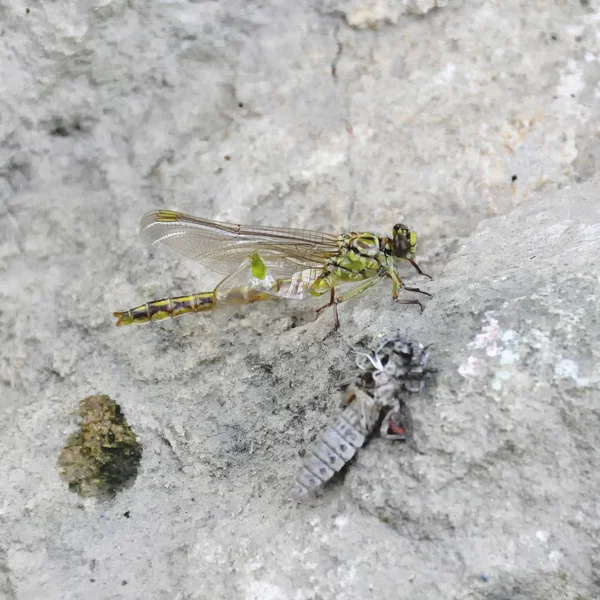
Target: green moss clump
(104, 456)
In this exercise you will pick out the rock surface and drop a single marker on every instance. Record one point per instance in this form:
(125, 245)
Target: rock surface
(476, 123)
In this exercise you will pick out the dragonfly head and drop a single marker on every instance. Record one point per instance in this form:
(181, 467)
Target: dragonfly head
(404, 241)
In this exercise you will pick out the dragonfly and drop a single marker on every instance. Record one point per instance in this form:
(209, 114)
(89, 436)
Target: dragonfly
(266, 263)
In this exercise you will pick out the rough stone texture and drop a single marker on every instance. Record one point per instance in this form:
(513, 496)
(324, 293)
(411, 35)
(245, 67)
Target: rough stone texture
(329, 115)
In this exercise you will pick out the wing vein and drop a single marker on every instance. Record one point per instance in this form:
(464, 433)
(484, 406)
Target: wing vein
(223, 247)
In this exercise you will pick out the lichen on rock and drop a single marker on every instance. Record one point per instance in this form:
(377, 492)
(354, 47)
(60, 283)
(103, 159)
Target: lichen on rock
(104, 455)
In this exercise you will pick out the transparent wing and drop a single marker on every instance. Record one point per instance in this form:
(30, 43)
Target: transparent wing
(223, 247)
(241, 287)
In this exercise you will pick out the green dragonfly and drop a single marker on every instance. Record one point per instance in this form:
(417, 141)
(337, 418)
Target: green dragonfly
(264, 263)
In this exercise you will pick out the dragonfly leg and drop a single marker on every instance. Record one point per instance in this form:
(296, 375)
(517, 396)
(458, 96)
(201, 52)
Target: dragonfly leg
(416, 266)
(413, 301)
(359, 289)
(332, 302)
(397, 284)
(413, 289)
(336, 319)
(355, 291)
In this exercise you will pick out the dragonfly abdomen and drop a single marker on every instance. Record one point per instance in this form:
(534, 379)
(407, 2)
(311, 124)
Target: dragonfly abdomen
(166, 308)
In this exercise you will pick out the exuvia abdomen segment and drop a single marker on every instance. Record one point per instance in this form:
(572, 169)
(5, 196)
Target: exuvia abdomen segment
(337, 444)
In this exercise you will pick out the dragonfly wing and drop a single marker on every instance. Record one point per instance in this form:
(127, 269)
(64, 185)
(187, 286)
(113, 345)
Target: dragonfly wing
(297, 286)
(242, 287)
(236, 290)
(224, 247)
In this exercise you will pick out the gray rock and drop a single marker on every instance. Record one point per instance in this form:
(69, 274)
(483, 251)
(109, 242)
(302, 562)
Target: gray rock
(505, 454)
(293, 114)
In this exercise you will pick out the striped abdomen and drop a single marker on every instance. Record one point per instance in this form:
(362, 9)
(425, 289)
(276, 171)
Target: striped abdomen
(337, 444)
(165, 308)
(182, 305)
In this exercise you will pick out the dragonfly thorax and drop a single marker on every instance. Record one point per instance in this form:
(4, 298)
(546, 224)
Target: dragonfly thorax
(360, 257)
(364, 244)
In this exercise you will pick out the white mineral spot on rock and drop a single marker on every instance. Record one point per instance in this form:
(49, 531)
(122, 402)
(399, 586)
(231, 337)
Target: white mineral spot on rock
(555, 557)
(542, 536)
(572, 80)
(448, 72)
(509, 335)
(500, 376)
(264, 590)
(341, 521)
(569, 369)
(469, 367)
(508, 357)
(487, 339)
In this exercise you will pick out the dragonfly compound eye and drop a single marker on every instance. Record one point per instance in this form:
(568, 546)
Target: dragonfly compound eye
(404, 241)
